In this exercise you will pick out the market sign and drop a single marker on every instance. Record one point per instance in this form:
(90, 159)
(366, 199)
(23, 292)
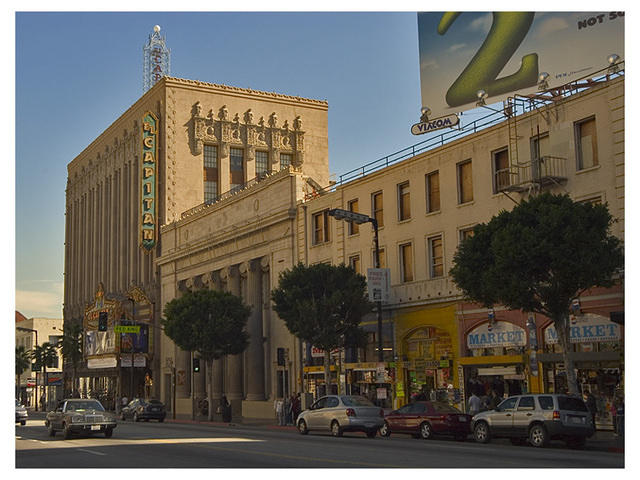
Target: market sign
(500, 334)
(587, 328)
(504, 53)
(148, 178)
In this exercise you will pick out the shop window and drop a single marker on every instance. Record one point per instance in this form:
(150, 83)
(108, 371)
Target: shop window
(433, 191)
(465, 182)
(354, 228)
(586, 143)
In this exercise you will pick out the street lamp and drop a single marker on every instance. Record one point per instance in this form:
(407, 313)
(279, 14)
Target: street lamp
(25, 329)
(359, 218)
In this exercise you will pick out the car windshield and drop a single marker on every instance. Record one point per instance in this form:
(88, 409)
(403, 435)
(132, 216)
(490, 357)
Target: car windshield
(86, 405)
(444, 408)
(356, 401)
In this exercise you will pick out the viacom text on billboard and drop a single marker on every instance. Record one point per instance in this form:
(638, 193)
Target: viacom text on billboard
(503, 53)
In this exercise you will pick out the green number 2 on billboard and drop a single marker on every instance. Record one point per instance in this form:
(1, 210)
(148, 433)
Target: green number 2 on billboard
(507, 32)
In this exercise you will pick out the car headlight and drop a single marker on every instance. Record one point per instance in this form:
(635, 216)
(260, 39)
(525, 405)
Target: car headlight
(76, 419)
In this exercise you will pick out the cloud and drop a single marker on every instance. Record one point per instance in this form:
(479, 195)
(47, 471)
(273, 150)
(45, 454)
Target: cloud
(457, 46)
(429, 65)
(33, 303)
(482, 23)
(551, 25)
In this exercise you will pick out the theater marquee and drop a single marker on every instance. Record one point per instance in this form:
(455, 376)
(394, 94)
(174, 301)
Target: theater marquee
(148, 176)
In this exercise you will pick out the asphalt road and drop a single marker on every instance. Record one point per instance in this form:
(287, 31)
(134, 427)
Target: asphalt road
(163, 445)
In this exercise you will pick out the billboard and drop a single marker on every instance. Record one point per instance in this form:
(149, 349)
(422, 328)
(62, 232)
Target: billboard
(504, 53)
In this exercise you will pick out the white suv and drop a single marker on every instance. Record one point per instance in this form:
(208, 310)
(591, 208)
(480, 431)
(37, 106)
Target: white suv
(537, 417)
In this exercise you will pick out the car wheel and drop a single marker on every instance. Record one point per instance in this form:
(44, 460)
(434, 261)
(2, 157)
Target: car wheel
(481, 432)
(425, 431)
(302, 427)
(336, 431)
(576, 442)
(385, 430)
(66, 431)
(108, 432)
(371, 433)
(538, 436)
(51, 430)
(135, 417)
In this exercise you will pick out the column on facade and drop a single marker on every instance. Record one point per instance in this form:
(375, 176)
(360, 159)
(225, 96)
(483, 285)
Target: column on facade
(266, 322)
(111, 267)
(252, 273)
(122, 230)
(230, 276)
(104, 269)
(85, 256)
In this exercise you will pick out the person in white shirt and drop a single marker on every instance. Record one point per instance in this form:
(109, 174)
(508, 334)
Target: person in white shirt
(475, 404)
(278, 406)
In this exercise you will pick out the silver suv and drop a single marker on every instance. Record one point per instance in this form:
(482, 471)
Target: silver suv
(537, 418)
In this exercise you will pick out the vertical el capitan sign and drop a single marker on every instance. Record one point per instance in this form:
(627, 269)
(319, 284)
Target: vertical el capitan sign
(148, 178)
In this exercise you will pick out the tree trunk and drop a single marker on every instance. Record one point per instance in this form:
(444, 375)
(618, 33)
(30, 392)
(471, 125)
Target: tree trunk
(210, 389)
(17, 386)
(44, 386)
(327, 371)
(561, 323)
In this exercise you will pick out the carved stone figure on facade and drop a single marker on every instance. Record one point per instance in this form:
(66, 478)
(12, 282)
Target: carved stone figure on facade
(248, 117)
(273, 120)
(261, 122)
(297, 123)
(286, 125)
(197, 110)
(223, 114)
(236, 118)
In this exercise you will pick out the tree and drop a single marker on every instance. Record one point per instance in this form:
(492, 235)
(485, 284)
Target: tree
(323, 305)
(44, 355)
(539, 257)
(23, 362)
(208, 322)
(71, 347)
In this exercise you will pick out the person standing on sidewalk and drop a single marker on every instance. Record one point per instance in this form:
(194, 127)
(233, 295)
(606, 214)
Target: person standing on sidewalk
(592, 406)
(226, 409)
(278, 406)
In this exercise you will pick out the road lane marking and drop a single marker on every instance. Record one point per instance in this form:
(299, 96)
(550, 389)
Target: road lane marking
(92, 452)
(94, 442)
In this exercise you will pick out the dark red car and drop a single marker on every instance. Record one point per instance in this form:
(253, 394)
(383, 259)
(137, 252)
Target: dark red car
(426, 419)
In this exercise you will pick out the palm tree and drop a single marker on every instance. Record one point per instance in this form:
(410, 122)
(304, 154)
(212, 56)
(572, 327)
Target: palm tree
(45, 355)
(23, 361)
(71, 346)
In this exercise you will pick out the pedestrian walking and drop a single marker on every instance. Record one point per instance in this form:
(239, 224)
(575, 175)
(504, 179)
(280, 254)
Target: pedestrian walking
(494, 400)
(295, 407)
(278, 406)
(287, 410)
(226, 409)
(592, 407)
(475, 404)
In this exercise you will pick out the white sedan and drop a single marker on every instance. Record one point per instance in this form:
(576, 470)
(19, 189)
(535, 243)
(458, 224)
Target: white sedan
(341, 413)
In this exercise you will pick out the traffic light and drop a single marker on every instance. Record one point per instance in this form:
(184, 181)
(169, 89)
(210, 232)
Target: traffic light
(102, 322)
(196, 365)
(281, 361)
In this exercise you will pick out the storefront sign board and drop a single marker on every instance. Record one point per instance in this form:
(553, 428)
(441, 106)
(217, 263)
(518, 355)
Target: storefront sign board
(500, 334)
(587, 328)
(104, 362)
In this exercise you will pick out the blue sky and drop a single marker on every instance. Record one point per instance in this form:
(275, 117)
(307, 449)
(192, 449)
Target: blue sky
(75, 73)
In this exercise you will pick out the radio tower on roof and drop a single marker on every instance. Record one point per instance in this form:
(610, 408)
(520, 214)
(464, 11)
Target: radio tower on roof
(156, 60)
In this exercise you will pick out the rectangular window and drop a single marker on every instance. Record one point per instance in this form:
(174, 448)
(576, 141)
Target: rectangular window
(433, 192)
(539, 149)
(586, 143)
(593, 200)
(210, 173)
(262, 163)
(354, 228)
(354, 262)
(383, 258)
(406, 262)
(436, 258)
(376, 208)
(321, 227)
(285, 160)
(236, 168)
(465, 233)
(465, 183)
(501, 175)
(404, 202)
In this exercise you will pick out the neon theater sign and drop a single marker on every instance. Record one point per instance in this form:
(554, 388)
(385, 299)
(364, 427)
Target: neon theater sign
(148, 177)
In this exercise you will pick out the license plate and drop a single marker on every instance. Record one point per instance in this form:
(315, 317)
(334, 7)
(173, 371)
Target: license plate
(462, 419)
(579, 420)
(95, 427)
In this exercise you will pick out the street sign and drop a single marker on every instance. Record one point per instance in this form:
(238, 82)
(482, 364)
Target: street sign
(127, 329)
(379, 284)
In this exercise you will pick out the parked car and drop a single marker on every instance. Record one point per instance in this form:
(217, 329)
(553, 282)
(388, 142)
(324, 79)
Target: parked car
(21, 414)
(537, 418)
(425, 419)
(76, 415)
(341, 413)
(139, 409)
